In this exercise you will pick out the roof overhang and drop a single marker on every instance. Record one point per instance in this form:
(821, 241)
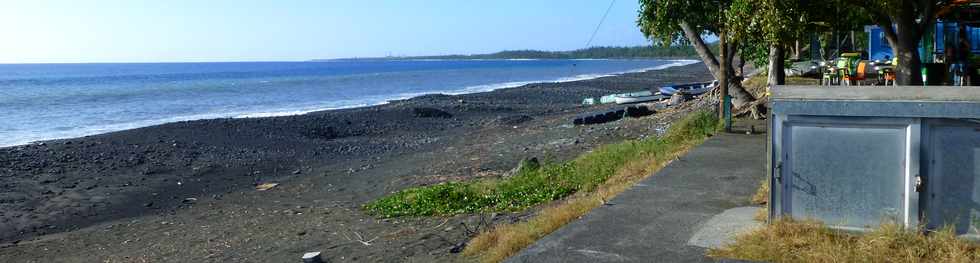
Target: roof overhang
(963, 11)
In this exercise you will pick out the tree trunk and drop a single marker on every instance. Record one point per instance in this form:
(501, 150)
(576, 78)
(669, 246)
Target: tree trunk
(907, 72)
(907, 51)
(777, 74)
(723, 77)
(740, 67)
(702, 49)
(903, 30)
(796, 50)
(740, 97)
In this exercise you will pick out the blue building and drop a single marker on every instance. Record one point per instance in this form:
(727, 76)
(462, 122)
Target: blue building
(945, 32)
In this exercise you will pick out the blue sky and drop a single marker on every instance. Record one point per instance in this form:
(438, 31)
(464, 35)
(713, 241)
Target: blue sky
(43, 31)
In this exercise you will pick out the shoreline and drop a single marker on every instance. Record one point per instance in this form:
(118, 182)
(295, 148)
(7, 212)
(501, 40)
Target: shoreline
(185, 191)
(110, 128)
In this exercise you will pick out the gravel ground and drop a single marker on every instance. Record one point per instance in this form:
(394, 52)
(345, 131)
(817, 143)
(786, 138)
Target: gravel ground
(185, 192)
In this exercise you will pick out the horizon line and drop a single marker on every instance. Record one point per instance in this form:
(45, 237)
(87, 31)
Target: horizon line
(290, 60)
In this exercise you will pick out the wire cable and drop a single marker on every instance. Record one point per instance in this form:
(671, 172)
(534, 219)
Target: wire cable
(600, 24)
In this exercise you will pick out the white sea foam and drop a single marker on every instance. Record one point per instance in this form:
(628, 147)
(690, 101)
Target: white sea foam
(496, 86)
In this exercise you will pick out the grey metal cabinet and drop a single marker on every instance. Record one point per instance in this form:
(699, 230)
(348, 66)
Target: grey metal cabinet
(857, 157)
(953, 166)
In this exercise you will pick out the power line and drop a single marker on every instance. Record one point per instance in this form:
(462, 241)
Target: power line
(600, 23)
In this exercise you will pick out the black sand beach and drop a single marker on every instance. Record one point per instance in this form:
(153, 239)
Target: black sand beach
(185, 192)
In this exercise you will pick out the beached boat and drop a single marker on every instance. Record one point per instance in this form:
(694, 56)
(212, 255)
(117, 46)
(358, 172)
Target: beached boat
(628, 98)
(702, 90)
(692, 88)
(645, 96)
(611, 98)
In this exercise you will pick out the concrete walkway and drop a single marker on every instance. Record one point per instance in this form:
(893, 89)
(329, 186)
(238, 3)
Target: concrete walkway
(654, 220)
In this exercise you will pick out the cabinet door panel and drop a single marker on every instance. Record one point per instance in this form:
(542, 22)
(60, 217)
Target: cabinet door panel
(954, 176)
(850, 175)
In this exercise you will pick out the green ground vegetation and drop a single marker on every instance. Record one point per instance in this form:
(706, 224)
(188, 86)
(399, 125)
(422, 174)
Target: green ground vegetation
(564, 191)
(536, 184)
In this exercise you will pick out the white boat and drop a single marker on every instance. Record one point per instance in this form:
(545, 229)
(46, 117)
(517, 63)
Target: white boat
(703, 89)
(611, 98)
(634, 98)
(690, 89)
(699, 91)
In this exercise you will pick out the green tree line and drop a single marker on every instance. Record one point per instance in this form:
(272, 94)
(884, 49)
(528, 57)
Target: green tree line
(586, 53)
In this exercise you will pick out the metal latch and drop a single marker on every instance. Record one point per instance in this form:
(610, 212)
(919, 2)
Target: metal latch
(779, 172)
(919, 184)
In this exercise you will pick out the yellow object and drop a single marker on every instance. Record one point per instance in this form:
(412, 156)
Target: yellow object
(265, 186)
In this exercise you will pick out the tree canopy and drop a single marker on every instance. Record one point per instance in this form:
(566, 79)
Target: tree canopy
(684, 22)
(661, 21)
(687, 21)
(761, 24)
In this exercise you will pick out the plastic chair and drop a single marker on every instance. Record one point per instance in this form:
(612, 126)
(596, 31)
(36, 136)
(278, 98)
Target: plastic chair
(958, 72)
(889, 76)
(859, 74)
(828, 75)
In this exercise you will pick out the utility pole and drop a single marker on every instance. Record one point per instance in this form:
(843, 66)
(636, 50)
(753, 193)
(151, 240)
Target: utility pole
(725, 109)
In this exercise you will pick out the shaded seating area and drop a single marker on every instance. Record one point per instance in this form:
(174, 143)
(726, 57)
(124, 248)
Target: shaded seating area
(957, 49)
(949, 51)
(850, 69)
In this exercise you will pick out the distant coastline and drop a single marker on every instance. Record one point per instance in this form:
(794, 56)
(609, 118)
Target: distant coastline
(635, 52)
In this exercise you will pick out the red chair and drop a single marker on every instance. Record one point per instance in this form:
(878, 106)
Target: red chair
(889, 76)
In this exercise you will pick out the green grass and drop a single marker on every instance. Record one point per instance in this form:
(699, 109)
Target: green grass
(536, 184)
(645, 157)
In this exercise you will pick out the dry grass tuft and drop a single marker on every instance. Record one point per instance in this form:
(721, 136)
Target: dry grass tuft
(506, 239)
(810, 241)
(761, 215)
(761, 196)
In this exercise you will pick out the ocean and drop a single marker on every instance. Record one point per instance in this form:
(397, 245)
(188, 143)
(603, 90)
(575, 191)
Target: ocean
(55, 101)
